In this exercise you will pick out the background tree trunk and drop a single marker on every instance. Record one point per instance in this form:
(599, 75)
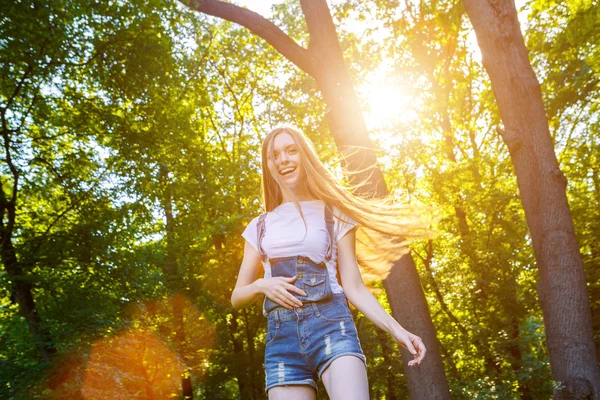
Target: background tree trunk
(21, 289)
(561, 287)
(175, 284)
(403, 283)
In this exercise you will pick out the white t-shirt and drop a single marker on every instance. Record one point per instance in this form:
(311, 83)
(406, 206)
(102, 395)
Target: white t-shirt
(284, 233)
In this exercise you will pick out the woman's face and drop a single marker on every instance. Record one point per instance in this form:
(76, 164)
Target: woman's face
(287, 161)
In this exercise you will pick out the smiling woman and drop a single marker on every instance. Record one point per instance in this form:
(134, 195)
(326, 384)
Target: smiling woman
(304, 240)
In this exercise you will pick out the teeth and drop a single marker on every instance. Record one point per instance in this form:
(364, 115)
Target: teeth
(283, 172)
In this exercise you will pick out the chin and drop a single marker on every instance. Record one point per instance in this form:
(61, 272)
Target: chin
(295, 183)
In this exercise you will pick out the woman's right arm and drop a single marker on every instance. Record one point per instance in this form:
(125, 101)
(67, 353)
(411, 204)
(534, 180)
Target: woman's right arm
(250, 286)
(246, 289)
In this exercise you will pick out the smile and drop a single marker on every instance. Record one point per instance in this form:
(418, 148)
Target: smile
(287, 171)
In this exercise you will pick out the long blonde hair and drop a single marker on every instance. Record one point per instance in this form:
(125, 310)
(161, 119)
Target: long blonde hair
(385, 227)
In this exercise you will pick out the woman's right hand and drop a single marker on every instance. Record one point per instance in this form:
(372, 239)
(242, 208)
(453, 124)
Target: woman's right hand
(278, 289)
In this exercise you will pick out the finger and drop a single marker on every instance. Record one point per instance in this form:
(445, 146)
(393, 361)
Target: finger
(295, 289)
(288, 298)
(278, 298)
(414, 361)
(289, 279)
(281, 300)
(410, 347)
(296, 302)
(421, 350)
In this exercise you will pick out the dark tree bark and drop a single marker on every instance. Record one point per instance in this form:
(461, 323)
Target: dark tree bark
(324, 62)
(243, 379)
(21, 289)
(174, 285)
(250, 337)
(386, 352)
(404, 283)
(561, 287)
(21, 294)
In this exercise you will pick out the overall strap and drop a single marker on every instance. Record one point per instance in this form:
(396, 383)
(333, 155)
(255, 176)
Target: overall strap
(329, 223)
(260, 232)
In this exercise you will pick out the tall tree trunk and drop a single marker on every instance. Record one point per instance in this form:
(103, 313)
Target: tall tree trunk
(178, 304)
(323, 60)
(428, 62)
(254, 382)
(409, 302)
(561, 287)
(21, 294)
(174, 285)
(21, 289)
(389, 376)
(238, 351)
(346, 122)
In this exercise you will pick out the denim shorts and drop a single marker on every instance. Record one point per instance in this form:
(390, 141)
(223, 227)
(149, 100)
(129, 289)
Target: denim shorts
(302, 342)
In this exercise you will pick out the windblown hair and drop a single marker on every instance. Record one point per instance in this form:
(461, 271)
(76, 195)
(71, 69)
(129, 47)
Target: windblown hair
(385, 227)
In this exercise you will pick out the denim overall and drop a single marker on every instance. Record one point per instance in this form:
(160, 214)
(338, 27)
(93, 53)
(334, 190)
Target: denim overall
(313, 278)
(302, 342)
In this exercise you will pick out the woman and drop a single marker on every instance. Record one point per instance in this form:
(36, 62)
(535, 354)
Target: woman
(308, 228)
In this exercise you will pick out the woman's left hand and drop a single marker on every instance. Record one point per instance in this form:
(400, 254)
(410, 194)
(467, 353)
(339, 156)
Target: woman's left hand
(412, 343)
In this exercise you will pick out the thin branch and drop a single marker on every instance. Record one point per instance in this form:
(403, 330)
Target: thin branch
(572, 131)
(26, 74)
(70, 208)
(212, 122)
(11, 165)
(437, 291)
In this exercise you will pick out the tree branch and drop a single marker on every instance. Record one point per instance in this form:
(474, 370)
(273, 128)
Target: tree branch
(258, 25)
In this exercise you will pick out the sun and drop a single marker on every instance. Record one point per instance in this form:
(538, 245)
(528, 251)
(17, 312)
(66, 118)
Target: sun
(386, 104)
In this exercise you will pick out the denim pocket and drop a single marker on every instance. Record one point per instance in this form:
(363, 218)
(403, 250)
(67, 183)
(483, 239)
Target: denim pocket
(272, 330)
(315, 286)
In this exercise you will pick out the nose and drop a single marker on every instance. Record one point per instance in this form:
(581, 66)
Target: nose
(283, 158)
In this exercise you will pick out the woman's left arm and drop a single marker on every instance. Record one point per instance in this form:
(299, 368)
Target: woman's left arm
(365, 302)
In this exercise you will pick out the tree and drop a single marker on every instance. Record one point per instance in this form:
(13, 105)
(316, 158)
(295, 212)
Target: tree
(562, 288)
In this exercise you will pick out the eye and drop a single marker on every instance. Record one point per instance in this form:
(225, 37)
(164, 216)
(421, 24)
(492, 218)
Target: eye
(292, 151)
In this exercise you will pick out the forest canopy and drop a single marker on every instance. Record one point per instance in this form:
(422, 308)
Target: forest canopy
(130, 165)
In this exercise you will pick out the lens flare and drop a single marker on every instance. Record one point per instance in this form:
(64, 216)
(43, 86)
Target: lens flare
(134, 364)
(166, 339)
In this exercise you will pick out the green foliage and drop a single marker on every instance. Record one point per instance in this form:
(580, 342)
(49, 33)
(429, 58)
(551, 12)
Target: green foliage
(135, 129)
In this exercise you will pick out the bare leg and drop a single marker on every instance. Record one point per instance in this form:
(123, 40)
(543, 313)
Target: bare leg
(346, 379)
(292, 392)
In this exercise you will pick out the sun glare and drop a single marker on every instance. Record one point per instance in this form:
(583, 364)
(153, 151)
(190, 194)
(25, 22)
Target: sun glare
(386, 105)
(386, 102)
